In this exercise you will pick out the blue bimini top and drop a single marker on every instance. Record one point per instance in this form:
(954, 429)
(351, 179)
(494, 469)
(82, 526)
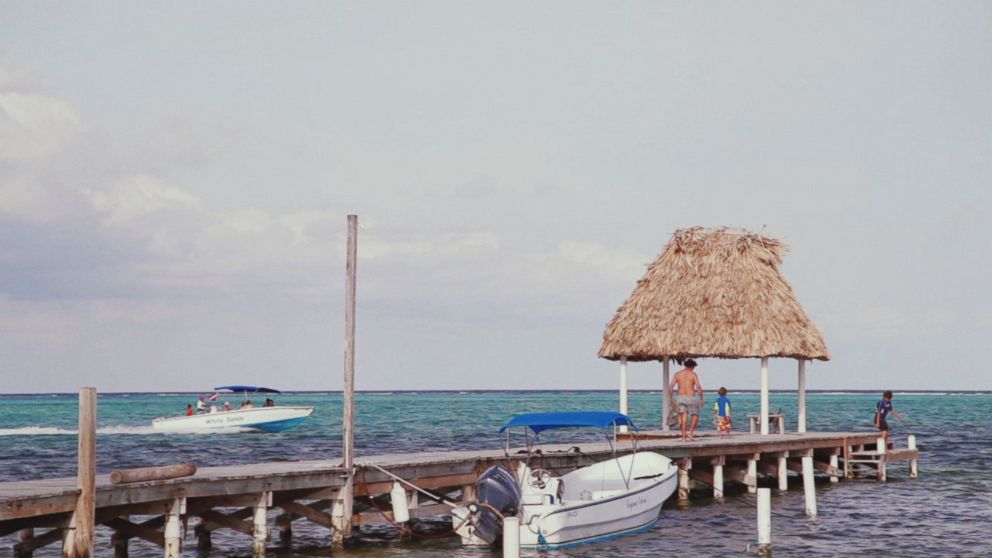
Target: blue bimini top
(539, 422)
(249, 389)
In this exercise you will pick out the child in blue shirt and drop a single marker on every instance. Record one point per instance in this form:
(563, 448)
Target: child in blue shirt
(722, 414)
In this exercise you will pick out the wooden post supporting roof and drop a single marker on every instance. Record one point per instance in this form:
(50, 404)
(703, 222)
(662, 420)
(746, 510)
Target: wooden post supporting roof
(764, 396)
(802, 396)
(623, 389)
(666, 394)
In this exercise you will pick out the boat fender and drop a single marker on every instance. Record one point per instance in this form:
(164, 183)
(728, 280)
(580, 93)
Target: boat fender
(401, 512)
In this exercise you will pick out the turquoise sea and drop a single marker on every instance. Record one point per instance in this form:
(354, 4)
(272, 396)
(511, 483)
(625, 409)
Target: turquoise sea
(947, 511)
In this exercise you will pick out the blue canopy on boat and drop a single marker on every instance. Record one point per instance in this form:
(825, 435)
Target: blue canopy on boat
(539, 422)
(249, 389)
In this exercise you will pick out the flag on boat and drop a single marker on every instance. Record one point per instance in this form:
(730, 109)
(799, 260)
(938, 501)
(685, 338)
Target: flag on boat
(214, 396)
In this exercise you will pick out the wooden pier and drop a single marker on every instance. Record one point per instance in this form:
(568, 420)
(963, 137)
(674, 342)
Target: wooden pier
(252, 499)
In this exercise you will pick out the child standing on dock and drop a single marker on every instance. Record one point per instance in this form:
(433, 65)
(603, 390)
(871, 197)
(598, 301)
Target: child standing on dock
(722, 413)
(882, 410)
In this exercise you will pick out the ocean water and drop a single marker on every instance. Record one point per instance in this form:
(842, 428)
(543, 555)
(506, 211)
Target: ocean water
(947, 511)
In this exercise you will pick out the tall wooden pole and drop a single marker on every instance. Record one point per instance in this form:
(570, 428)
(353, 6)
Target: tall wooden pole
(348, 425)
(85, 514)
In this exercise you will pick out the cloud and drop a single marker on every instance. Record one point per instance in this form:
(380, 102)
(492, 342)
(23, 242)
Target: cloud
(34, 125)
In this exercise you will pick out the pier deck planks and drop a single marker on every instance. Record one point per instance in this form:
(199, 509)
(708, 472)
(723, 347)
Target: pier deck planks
(25, 499)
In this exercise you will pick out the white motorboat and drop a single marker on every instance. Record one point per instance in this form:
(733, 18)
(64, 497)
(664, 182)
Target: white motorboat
(267, 418)
(603, 501)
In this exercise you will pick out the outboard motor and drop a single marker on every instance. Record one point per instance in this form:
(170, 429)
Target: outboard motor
(497, 489)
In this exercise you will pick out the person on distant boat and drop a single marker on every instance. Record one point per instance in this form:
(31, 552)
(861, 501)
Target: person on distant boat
(722, 412)
(269, 402)
(882, 410)
(247, 404)
(227, 405)
(688, 387)
(189, 410)
(201, 406)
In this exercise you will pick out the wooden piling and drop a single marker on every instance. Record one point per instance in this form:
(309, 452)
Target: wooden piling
(783, 470)
(120, 540)
(260, 525)
(84, 517)
(173, 528)
(752, 473)
(911, 444)
(684, 466)
(718, 463)
(881, 449)
(24, 537)
(202, 532)
(834, 464)
(809, 485)
(284, 522)
(343, 510)
(764, 521)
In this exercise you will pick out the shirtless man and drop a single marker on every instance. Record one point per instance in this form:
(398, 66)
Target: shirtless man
(688, 386)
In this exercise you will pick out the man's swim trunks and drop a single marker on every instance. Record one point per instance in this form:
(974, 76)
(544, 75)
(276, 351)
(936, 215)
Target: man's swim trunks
(688, 404)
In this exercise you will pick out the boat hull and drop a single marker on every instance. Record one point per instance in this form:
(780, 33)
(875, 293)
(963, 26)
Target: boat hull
(265, 419)
(600, 502)
(599, 520)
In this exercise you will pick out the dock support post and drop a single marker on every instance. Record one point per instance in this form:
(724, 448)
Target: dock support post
(119, 540)
(834, 464)
(911, 444)
(801, 427)
(343, 510)
(809, 485)
(684, 466)
(764, 521)
(881, 449)
(783, 471)
(284, 522)
(173, 528)
(623, 389)
(203, 542)
(666, 395)
(260, 525)
(752, 473)
(23, 536)
(511, 537)
(764, 396)
(79, 540)
(718, 463)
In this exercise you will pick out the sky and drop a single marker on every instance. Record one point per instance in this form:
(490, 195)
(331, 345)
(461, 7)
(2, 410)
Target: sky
(175, 179)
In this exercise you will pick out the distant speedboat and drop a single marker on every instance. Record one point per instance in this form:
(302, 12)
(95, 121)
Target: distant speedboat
(266, 418)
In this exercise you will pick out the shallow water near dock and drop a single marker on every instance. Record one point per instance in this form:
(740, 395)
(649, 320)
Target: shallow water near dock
(945, 512)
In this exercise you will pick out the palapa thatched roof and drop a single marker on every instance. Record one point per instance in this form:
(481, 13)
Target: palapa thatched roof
(713, 293)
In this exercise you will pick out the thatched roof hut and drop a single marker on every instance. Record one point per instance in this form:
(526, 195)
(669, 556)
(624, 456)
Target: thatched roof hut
(713, 293)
